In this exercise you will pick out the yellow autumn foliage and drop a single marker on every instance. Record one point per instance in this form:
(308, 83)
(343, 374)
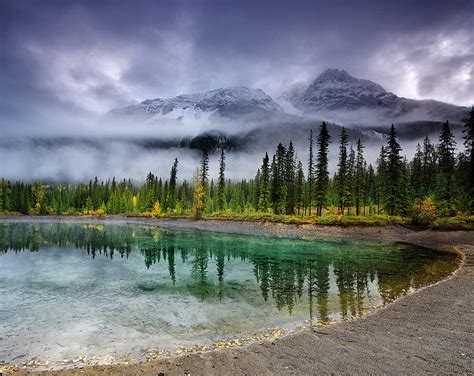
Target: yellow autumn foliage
(156, 211)
(424, 211)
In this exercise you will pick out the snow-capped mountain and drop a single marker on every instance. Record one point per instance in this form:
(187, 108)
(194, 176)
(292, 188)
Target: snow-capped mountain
(230, 103)
(338, 96)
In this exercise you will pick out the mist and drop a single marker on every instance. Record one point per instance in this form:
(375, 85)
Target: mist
(130, 150)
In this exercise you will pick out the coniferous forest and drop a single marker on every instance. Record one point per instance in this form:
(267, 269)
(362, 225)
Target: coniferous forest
(437, 183)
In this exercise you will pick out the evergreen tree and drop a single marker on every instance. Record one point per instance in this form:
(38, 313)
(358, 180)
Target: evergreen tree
(359, 179)
(221, 198)
(264, 199)
(381, 177)
(350, 181)
(416, 173)
(172, 185)
(371, 188)
(342, 171)
(256, 189)
(310, 172)
(279, 184)
(469, 155)
(395, 192)
(322, 173)
(204, 168)
(429, 167)
(445, 190)
(290, 176)
(300, 188)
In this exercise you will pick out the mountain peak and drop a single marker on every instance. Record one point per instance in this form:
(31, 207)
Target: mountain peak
(226, 102)
(336, 91)
(335, 75)
(336, 78)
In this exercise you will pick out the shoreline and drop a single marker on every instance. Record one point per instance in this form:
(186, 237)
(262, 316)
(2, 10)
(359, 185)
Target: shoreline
(271, 357)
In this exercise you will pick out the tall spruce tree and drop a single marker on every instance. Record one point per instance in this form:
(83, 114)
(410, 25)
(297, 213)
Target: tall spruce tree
(341, 175)
(416, 174)
(290, 176)
(264, 199)
(279, 184)
(350, 181)
(371, 188)
(359, 179)
(310, 172)
(445, 185)
(381, 177)
(395, 192)
(221, 197)
(322, 173)
(171, 202)
(429, 167)
(204, 169)
(469, 155)
(300, 185)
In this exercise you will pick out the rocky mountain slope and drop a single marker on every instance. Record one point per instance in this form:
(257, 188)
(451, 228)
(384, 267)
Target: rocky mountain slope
(231, 103)
(240, 116)
(336, 95)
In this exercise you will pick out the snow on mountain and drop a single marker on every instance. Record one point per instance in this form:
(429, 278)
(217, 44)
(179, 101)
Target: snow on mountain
(338, 96)
(334, 96)
(228, 103)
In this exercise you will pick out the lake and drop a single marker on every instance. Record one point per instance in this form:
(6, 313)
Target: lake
(116, 291)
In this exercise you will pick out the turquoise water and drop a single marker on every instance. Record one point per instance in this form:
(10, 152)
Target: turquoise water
(68, 290)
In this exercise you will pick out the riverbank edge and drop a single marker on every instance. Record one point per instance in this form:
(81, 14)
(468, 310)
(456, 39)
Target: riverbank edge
(440, 224)
(437, 240)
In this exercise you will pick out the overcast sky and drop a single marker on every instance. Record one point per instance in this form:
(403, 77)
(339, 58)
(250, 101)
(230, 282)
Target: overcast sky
(64, 60)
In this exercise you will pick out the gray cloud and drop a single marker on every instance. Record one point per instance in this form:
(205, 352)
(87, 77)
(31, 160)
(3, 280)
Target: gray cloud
(62, 62)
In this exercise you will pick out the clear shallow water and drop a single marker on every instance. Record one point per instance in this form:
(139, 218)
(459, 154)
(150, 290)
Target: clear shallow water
(68, 290)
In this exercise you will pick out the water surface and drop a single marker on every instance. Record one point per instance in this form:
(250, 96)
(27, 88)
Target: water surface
(68, 290)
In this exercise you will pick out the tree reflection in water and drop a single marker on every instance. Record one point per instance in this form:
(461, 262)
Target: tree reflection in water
(284, 269)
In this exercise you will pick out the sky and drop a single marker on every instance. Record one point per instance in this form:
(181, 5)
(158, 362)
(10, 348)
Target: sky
(65, 61)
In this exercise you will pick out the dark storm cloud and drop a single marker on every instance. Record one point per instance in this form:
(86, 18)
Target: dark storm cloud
(62, 61)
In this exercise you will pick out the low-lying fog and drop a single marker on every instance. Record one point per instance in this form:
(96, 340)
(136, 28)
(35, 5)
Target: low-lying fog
(132, 150)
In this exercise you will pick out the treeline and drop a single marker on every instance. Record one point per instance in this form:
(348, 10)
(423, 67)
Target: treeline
(436, 182)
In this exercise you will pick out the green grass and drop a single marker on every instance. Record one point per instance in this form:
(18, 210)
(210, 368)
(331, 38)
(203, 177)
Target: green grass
(454, 223)
(329, 220)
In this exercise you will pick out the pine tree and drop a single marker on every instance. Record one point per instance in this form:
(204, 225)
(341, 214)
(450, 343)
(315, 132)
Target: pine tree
(172, 185)
(310, 172)
(204, 168)
(445, 190)
(381, 177)
(256, 189)
(322, 173)
(429, 167)
(371, 188)
(416, 174)
(221, 199)
(469, 154)
(341, 176)
(279, 184)
(350, 181)
(290, 176)
(300, 188)
(264, 199)
(359, 179)
(395, 192)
